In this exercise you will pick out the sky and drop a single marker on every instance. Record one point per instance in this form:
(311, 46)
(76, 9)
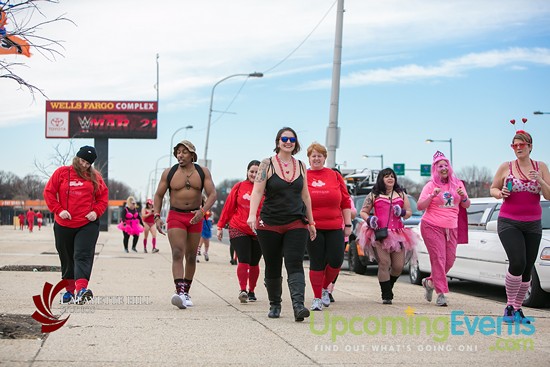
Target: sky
(411, 70)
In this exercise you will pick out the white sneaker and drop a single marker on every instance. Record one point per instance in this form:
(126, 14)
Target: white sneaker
(325, 298)
(316, 305)
(441, 300)
(188, 301)
(179, 301)
(243, 296)
(428, 291)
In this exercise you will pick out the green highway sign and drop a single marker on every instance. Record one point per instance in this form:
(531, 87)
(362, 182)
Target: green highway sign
(399, 169)
(425, 170)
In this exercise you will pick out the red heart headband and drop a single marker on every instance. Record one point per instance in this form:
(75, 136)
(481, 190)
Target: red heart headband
(513, 122)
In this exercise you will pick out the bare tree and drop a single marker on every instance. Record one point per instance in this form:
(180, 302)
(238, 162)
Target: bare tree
(478, 180)
(20, 30)
(60, 157)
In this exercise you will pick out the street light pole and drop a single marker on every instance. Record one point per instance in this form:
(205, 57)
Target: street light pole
(156, 168)
(450, 141)
(541, 113)
(381, 156)
(251, 75)
(172, 141)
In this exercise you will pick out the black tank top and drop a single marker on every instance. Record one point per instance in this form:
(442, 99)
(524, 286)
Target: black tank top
(283, 202)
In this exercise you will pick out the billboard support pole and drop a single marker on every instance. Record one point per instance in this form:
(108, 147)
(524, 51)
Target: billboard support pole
(102, 165)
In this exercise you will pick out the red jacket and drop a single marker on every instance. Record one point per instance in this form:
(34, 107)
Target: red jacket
(66, 190)
(237, 206)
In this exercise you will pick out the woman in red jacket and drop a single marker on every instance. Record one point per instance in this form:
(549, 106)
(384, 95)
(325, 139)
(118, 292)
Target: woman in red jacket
(331, 207)
(78, 196)
(244, 241)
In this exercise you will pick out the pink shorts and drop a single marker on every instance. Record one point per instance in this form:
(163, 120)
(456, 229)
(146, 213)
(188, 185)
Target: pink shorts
(183, 221)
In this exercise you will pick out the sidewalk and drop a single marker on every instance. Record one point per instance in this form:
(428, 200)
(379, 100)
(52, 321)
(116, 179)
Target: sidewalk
(134, 323)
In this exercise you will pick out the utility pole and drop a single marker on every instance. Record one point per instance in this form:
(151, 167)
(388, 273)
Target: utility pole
(333, 131)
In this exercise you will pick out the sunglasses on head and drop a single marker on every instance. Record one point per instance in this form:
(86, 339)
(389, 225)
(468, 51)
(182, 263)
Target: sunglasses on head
(519, 145)
(285, 139)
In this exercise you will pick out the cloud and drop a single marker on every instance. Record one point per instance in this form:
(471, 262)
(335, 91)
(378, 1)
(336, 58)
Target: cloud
(515, 58)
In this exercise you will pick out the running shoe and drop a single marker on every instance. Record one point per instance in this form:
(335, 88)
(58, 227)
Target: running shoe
(520, 317)
(330, 296)
(317, 305)
(252, 297)
(68, 297)
(155, 250)
(441, 300)
(179, 301)
(325, 298)
(188, 301)
(508, 314)
(429, 291)
(243, 296)
(83, 296)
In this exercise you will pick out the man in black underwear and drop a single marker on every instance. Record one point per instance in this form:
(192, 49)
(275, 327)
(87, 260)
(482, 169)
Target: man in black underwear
(185, 181)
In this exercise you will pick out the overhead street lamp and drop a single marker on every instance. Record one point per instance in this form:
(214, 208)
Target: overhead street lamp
(541, 113)
(251, 75)
(381, 156)
(450, 141)
(156, 168)
(172, 141)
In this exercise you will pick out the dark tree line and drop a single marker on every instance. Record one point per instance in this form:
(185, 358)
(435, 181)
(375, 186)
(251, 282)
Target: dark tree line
(31, 187)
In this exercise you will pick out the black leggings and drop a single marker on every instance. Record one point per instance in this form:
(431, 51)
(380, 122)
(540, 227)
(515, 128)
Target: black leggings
(291, 245)
(248, 249)
(327, 248)
(76, 249)
(521, 242)
(127, 238)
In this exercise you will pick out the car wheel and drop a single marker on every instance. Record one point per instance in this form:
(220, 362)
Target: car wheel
(415, 275)
(355, 263)
(535, 296)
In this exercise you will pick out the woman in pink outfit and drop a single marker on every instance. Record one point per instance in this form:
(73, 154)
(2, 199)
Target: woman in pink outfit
(442, 198)
(130, 223)
(520, 183)
(147, 214)
(390, 204)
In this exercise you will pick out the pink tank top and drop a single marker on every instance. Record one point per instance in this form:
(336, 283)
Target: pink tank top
(523, 204)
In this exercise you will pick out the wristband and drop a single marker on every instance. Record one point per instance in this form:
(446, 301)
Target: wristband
(202, 211)
(156, 216)
(312, 223)
(465, 200)
(347, 225)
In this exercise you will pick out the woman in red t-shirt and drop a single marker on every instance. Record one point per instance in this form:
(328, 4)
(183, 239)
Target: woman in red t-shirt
(331, 208)
(244, 241)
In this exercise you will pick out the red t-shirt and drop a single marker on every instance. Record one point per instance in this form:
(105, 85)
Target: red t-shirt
(237, 207)
(329, 196)
(66, 190)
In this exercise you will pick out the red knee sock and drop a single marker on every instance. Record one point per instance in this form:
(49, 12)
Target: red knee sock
(81, 283)
(329, 275)
(145, 243)
(253, 275)
(316, 280)
(70, 286)
(242, 274)
(154, 240)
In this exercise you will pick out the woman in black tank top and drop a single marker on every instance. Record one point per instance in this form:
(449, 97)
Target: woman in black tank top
(285, 222)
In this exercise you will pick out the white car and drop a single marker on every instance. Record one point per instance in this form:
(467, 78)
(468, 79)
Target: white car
(483, 258)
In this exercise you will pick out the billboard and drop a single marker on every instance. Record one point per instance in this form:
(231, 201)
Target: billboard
(101, 119)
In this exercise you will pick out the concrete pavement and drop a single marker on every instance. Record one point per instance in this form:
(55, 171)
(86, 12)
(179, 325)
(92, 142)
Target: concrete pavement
(133, 323)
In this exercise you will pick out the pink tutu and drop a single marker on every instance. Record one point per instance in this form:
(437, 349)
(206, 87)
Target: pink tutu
(131, 226)
(398, 239)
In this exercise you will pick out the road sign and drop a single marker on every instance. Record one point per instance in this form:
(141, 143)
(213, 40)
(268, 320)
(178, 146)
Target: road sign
(399, 169)
(425, 170)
